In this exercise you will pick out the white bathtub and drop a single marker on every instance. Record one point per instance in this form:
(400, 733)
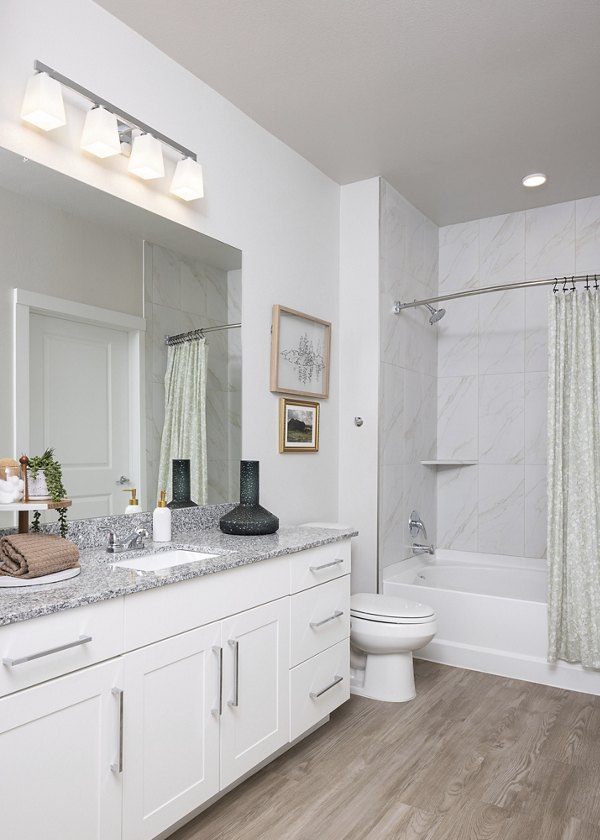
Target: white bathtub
(491, 612)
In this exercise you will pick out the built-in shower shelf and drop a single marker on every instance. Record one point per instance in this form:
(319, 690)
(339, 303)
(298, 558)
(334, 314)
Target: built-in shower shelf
(449, 462)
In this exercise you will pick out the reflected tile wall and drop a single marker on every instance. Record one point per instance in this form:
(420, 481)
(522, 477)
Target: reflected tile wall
(500, 506)
(408, 374)
(181, 294)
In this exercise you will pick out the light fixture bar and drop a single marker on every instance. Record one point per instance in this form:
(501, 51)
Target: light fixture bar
(126, 118)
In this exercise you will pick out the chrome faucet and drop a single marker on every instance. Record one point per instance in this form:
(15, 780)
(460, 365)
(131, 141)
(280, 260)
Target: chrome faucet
(418, 548)
(416, 526)
(135, 540)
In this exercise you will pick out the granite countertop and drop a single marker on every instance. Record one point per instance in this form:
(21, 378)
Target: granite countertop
(99, 581)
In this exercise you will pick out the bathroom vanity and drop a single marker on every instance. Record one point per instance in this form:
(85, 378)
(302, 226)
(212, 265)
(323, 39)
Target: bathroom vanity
(130, 700)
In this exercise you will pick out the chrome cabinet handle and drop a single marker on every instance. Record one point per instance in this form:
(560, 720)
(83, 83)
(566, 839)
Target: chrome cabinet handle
(314, 695)
(326, 565)
(117, 766)
(336, 614)
(218, 709)
(236, 673)
(82, 640)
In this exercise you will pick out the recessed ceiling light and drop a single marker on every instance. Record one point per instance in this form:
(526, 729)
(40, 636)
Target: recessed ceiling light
(535, 180)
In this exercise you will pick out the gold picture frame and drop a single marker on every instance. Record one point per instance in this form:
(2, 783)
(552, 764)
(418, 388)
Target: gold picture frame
(298, 425)
(300, 353)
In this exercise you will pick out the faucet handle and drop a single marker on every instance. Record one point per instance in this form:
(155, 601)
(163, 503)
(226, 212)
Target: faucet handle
(416, 525)
(111, 535)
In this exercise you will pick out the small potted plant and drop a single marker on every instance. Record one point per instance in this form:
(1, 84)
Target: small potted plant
(51, 469)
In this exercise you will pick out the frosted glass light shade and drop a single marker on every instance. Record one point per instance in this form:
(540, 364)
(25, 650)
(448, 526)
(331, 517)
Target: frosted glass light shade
(100, 135)
(43, 103)
(187, 181)
(146, 159)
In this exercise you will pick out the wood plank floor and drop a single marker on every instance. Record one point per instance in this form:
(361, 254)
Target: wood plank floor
(474, 757)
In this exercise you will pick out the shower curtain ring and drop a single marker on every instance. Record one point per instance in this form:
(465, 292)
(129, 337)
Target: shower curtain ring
(587, 282)
(565, 285)
(573, 284)
(554, 289)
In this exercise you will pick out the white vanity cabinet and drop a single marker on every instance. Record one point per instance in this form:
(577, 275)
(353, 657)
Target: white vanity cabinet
(203, 681)
(59, 757)
(201, 709)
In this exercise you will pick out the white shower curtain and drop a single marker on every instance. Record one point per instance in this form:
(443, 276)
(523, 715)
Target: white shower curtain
(184, 431)
(574, 477)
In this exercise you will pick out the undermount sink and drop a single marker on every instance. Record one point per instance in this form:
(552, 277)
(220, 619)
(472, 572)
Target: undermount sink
(162, 560)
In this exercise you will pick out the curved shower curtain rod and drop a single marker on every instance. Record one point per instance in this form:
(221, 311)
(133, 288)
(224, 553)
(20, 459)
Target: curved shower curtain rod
(559, 281)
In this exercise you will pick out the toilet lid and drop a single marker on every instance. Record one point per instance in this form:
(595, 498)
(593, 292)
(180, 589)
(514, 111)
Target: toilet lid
(389, 608)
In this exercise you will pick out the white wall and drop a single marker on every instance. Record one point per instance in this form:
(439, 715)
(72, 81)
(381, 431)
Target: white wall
(260, 196)
(493, 371)
(359, 363)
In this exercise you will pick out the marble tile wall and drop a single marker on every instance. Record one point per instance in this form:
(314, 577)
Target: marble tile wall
(408, 245)
(492, 370)
(181, 294)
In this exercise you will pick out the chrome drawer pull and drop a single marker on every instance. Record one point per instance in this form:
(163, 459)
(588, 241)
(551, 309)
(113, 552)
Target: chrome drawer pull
(326, 565)
(117, 767)
(218, 709)
(329, 618)
(82, 640)
(314, 695)
(236, 673)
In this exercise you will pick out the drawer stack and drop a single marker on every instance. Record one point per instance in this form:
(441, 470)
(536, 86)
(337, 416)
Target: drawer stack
(319, 634)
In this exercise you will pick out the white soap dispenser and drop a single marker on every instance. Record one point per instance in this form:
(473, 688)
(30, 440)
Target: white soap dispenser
(161, 520)
(133, 506)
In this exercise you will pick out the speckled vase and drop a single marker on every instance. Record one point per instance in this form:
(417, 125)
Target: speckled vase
(181, 484)
(249, 518)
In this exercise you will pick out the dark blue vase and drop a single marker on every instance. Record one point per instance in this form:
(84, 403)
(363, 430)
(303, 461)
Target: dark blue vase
(181, 484)
(249, 518)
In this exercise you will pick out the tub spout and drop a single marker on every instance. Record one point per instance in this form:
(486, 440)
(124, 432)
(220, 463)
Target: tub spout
(418, 548)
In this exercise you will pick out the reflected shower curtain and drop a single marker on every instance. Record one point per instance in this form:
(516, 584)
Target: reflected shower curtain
(574, 478)
(184, 431)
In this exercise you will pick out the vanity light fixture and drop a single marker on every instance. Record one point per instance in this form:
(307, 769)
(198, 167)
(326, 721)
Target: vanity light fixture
(188, 182)
(534, 180)
(100, 135)
(43, 104)
(109, 130)
(146, 159)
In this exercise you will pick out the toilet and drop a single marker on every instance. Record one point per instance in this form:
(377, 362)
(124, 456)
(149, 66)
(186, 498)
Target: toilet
(384, 632)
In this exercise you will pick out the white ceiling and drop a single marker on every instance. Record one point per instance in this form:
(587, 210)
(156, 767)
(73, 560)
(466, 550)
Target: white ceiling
(452, 101)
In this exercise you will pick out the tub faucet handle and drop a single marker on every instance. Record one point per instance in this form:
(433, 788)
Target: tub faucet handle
(416, 525)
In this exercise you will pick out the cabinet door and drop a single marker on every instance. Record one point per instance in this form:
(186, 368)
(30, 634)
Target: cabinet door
(255, 718)
(171, 730)
(59, 754)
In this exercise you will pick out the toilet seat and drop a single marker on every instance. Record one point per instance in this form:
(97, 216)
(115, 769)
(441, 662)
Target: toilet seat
(389, 609)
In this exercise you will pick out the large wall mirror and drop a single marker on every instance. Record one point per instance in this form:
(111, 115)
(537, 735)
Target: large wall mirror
(91, 286)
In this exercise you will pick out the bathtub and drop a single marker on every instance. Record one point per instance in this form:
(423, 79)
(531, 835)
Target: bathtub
(491, 612)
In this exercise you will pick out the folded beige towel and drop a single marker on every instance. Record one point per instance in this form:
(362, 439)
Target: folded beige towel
(34, 555)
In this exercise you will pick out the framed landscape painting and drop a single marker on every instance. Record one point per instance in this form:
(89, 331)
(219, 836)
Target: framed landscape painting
(298, 426)
(300, 351)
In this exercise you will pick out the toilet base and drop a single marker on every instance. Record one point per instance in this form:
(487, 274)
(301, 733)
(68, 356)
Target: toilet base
(387, 676)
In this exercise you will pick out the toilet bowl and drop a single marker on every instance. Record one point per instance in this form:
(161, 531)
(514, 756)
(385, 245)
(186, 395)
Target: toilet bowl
(384, 632)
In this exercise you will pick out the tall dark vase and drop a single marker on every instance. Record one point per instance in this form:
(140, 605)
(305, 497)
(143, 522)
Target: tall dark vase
(181, 484)
(249, 518)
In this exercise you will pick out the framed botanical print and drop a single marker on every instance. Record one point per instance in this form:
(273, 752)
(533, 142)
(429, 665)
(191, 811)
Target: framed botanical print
(300, 353)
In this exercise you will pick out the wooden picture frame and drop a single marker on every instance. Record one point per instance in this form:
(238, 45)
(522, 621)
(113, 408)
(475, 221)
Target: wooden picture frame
(300, 353)
(298, 426)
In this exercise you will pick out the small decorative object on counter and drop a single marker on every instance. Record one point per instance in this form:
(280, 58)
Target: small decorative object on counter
(161, 520)
(249, 518)
(56, 492)
(133, 506)
(181, 484)
(11, 483)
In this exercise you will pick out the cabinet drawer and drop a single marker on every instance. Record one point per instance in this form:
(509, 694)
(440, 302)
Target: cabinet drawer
(319, 618)
(46, 647)
(318, 565)
(316, 688)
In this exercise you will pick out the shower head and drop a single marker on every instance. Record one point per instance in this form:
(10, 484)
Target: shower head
(436, 314)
